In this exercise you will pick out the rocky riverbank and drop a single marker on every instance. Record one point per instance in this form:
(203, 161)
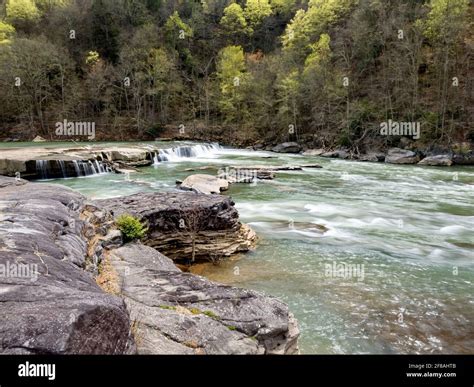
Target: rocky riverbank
(57, 248)
(408, 155)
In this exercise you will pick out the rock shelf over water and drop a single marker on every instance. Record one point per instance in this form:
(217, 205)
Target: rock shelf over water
(62, 242)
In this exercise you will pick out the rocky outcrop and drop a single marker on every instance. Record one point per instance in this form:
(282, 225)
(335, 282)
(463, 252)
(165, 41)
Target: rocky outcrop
(401, 156)
(48, 303)
(438, 160)
(337, 154)
(372, 157)
(466, 158)
(205, 184)
(181, 313)
(186, 224)
(287, 147)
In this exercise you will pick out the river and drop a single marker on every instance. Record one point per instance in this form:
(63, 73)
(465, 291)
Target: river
(370, 257)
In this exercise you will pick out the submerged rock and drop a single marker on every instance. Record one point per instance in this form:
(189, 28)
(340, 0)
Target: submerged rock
(287, 147)
(206, 184)
(53, 306)
(181, 313)
(401, 156)
(183, 224)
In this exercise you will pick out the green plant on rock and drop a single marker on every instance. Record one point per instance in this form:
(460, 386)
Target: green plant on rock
(131, 227)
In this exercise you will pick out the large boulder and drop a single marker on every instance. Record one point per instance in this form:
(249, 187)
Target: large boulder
(181, 313)
(48, 303)
(466, 158)
(287, 147)
(438, 160)
(186, 225)
(206, 184)
(401, 156)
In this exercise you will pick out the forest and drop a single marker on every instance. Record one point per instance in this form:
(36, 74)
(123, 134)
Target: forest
(324, 71)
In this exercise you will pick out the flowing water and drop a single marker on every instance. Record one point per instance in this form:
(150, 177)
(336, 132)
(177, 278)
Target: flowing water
(371, 258)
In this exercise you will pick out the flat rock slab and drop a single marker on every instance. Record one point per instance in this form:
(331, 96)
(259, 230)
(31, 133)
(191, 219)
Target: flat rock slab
(206, 184)
(181, 313)
(54, 306)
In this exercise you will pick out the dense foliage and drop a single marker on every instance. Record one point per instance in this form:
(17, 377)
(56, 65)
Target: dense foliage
(251, 69)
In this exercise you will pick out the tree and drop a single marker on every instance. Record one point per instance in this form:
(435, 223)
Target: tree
(176, 30)
(6, 32)
(33, 74)
(105, 29)
(231, 72)
(256, 11)
(22, 13)
(284, 7)
(446, 20)
(233, 23)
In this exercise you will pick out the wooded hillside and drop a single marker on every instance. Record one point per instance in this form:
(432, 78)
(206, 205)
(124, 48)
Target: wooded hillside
(329, 70)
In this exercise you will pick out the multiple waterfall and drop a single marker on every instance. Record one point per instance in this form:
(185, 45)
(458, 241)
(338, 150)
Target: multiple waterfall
(52, 169)
(185, 151)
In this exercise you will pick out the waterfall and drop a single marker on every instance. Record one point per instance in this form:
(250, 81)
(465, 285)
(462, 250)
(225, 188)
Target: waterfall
(63, 168)
(42, 168)
(77, 168)
(94, 172)
(99, 166)
(186, 151)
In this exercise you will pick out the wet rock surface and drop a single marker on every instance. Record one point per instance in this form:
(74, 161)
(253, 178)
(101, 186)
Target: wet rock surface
(181, 313)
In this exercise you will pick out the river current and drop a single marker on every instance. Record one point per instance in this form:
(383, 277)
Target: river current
(370, 257)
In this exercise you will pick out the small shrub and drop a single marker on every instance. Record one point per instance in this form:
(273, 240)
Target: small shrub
(131, 227)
